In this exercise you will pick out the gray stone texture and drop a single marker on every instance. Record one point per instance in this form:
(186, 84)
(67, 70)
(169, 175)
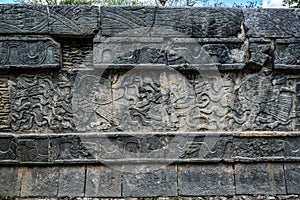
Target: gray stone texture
(260, 178)
(29, 52)
(205, 179)
(149, 180)
(4, 104)
(77, 53)
(10, 178)
(40, 19)
(287, 54)
(193, 22)
(71, 181)
(73, 20)
(23, 19)
(40, 182)
(272, 22)
(8, 149)
(34, 149)
(103, 181)
(292, 177)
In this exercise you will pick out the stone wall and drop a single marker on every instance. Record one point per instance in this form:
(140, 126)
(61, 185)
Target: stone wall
(119, 102)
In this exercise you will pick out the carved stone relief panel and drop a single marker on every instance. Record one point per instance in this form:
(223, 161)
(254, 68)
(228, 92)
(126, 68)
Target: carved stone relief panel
(25, 52)
(86, 101)
(265, 101)
(146, 100)
(4, 104)
(34, 102)
(214, 101)
(287, 54)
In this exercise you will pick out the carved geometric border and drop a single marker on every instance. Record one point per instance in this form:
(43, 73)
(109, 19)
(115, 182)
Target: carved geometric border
(170, 147)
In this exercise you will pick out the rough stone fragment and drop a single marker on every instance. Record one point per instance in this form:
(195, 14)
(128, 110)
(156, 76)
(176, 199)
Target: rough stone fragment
(39, 181)
(272, 22)
(29, 52)
(103, 181)
(10, 181)
(23, 18)
(34, 149)
(260, 53)
(71, 181)
(200, 180)
(292, 173)
(73, 20)
(4, 104)
(287, 54)
(194, 22)
(8, 149)
(34, 102)
(149, 180)
(259, 178)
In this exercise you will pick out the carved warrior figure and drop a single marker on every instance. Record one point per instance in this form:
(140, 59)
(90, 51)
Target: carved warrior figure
(263, 102)
(92, 103)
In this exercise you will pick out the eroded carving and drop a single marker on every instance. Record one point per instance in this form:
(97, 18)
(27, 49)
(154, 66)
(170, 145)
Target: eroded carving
(264, 102)
(34, 100)
(29, 53)
(152, 100)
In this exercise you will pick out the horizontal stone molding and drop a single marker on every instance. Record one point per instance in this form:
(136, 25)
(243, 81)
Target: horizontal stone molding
(177, 53)
(56, 20)
(112, 148)
(29, 52)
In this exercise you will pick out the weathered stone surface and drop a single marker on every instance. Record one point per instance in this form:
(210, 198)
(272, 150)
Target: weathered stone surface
(272, 22)
(292, 174)
(4, 104)
(264, 148)
(33, 149)
(40, 19)
(8, 149)
(69, 147)
(260, 53)
(103, 181)
(39, 182)
(264, 101)
(194, 22)
(73, 20)
(71, 181)
(287, 54)
(77, 53)
(34, 102)
(177, 53)
(9, 181)
(152, 100)
(259, 178)
(149, 180)
(23, 19)
(199, 180)
(29, 52)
